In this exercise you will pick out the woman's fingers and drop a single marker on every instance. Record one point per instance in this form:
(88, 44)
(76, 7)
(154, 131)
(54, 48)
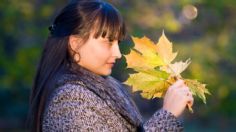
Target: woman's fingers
(190, 100)
(178, 83)
(178, 96)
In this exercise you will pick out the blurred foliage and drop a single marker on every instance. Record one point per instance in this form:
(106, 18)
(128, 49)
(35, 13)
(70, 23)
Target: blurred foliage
(209, 40)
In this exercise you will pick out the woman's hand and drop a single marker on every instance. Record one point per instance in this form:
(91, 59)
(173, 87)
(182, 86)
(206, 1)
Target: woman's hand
(177, 97)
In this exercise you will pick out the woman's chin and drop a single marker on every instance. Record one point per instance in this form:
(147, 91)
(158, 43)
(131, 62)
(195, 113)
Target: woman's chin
(107, 72)
(104, 72)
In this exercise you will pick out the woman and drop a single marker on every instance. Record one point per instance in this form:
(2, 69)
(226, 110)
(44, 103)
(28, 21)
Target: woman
(73, 90)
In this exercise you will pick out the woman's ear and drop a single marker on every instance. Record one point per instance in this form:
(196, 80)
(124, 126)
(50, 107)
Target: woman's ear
(74, 42)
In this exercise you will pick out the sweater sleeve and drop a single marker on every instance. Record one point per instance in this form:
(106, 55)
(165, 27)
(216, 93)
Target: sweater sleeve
(163, 121)
(74, 108)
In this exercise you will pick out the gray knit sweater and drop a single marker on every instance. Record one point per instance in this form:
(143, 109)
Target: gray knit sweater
(84, 101)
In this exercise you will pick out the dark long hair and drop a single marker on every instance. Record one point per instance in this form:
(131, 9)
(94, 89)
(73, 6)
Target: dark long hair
(77, 18)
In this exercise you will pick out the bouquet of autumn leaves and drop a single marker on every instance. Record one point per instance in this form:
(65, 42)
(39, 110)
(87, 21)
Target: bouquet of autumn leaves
(156, 70)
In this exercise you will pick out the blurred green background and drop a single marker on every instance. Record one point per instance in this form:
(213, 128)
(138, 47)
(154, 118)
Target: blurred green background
(203, 30)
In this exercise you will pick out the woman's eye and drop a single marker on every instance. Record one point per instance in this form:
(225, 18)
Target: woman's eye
(109, 42)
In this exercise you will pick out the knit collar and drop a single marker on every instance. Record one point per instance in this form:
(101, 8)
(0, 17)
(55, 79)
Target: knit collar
(107, 88)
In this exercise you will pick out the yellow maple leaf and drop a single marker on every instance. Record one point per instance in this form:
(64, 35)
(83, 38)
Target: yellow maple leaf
(144, 45)
(135, 59)
(165, 50)
(143, 55)
(177, 68)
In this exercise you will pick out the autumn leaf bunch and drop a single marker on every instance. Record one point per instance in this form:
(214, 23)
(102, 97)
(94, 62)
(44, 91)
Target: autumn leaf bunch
(156, 70)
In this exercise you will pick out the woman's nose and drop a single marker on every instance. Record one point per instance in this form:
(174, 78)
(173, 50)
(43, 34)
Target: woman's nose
(116, 51)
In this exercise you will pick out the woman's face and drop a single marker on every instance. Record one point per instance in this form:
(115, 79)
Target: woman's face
(99, 55)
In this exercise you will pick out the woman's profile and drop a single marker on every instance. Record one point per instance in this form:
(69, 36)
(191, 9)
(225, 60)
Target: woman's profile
(73, 91)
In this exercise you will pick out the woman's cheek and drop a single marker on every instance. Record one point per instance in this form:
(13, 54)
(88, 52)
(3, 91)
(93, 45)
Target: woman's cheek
(105, 51)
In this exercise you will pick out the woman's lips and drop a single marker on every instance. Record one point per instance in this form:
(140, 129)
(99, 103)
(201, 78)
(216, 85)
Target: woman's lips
(110, 64)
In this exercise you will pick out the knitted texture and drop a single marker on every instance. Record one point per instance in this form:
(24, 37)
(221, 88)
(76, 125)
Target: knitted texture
(84, 101)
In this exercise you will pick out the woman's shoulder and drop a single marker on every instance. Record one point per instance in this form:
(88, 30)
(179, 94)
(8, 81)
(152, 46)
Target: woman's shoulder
(68, 89)
(72, 96)
(71, 92)
(68, 84)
